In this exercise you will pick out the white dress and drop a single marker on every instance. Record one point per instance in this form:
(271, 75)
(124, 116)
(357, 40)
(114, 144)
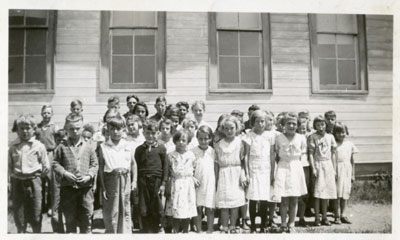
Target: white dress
(321, 148)
(259, 162)
(289, 179)
(183, 195)
(229, 192)
(170, 145)
(204, 172)
(345, 169)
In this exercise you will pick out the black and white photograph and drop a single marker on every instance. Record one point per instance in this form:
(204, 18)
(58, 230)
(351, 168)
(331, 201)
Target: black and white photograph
(219, 121)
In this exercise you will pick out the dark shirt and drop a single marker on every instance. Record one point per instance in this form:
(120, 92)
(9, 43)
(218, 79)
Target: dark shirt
(47, 133)
(152, 161)
(247, 125)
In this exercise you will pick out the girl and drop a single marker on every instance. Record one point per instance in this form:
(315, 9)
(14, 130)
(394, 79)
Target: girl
(165, 137)
(289, 181)
(198, 109)
(190, 125)
(260, 167)
(303, 200)
(182, 205)
(141, 111)
(321, 150)
(204, 172)
(116, 165)
(231, 177)
(345, 170)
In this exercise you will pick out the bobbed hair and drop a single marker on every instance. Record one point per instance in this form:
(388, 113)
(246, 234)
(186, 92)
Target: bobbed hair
(141, 104)
(340, 127)
(318, 118)
(257, 114)
(179, 134)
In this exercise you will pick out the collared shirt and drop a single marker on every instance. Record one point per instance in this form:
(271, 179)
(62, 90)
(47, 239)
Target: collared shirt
(25, 158)
(79, 159)
(47, 132)
(117, 156)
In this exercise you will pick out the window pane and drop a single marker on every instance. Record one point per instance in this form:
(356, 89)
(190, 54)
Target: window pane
(122, 42)
(16, 17)
(145, 69)
(326, 51)
(227, 20)
(16, 42)
(146, 19)
(249, 21)
(36, 41)
(250, 43)
(326, 23)
(35, 69)
(346, 51)
(250, 70)
(228, 70)
(228, 43)
(346, 23)
(121, 18)
(327, 72)
(326, 38)
(15, 69)
(122, 71)
(145, 42)
(347, 72)
(36, 17)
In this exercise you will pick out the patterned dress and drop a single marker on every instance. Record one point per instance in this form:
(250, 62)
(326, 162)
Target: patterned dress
(204, 172)
(345, 169)
(229, 192)
(182, 203)
(321, 148)
(289, 179)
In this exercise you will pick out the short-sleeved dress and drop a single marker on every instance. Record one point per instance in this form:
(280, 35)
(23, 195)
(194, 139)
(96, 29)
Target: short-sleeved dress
(321, 149)
(259, 166)
(182, 203)
(170, 145)
(229, 192)
(344, 152)
(204, 172)
(289, 179)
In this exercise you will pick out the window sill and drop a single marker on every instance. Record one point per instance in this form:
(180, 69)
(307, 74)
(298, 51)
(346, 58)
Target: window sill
(31, 91)
(129, 90)
(240, 91)
(335, 93)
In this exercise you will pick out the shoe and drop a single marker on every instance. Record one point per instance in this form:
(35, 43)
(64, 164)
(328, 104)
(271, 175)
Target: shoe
(233, 231)
(302, 223)
(245, 226)
(345, 220)
(326, 222)
(317, 223)
(284, 229)
(337, 221)
(271, 224)
(291, 230)
(161, 230)
(253, 230)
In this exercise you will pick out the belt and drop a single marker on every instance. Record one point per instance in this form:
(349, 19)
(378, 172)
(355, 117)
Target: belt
(118, 172)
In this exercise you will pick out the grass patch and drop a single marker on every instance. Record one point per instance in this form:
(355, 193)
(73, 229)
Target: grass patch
(375, 191)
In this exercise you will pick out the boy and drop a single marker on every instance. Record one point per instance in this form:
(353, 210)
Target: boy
(251, 109)
(160, 106)
(330, 119)
(76, 106)
(75, 162)
(131, 101)
(183, 110)
(113, 103)
(152, 166)
(27, 163)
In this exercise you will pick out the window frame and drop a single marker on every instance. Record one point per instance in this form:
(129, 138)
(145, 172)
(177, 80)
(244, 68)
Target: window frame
(21, 88)
(105, 57)
(361, 58)
(213, 75)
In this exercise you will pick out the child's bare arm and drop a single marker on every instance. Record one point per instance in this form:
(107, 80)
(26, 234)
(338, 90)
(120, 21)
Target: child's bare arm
(353, 171)
(272, 159)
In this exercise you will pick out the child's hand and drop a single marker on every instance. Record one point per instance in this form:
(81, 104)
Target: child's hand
(196, 182)
(83, 179)
(105, 195)
(70, 177)
(134, 186)
(315, 175)
(243, 182)
(272, 180)
(162, 190)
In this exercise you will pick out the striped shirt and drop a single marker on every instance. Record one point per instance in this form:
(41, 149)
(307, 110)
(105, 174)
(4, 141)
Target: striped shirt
(26, 159)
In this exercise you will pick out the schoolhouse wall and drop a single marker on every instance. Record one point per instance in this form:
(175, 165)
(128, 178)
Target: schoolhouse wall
(77, 63)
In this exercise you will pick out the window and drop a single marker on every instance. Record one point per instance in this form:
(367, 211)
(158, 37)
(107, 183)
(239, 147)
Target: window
(31, 50)
(338, 54)
(132, 51)
(239, 51)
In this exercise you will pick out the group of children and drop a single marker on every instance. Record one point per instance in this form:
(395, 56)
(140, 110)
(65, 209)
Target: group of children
(166, 172)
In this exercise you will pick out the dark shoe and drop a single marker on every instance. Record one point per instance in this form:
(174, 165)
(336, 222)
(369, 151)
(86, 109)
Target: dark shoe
(317, 223)
(233, 231)
(325, 222)
(337, 221)
(345, 220)
(284, 230)
(291, 230)
(302, 223)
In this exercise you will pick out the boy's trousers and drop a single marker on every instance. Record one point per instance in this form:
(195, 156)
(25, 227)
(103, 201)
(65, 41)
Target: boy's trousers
(77, 206)
(150, 203)
(27, 203)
